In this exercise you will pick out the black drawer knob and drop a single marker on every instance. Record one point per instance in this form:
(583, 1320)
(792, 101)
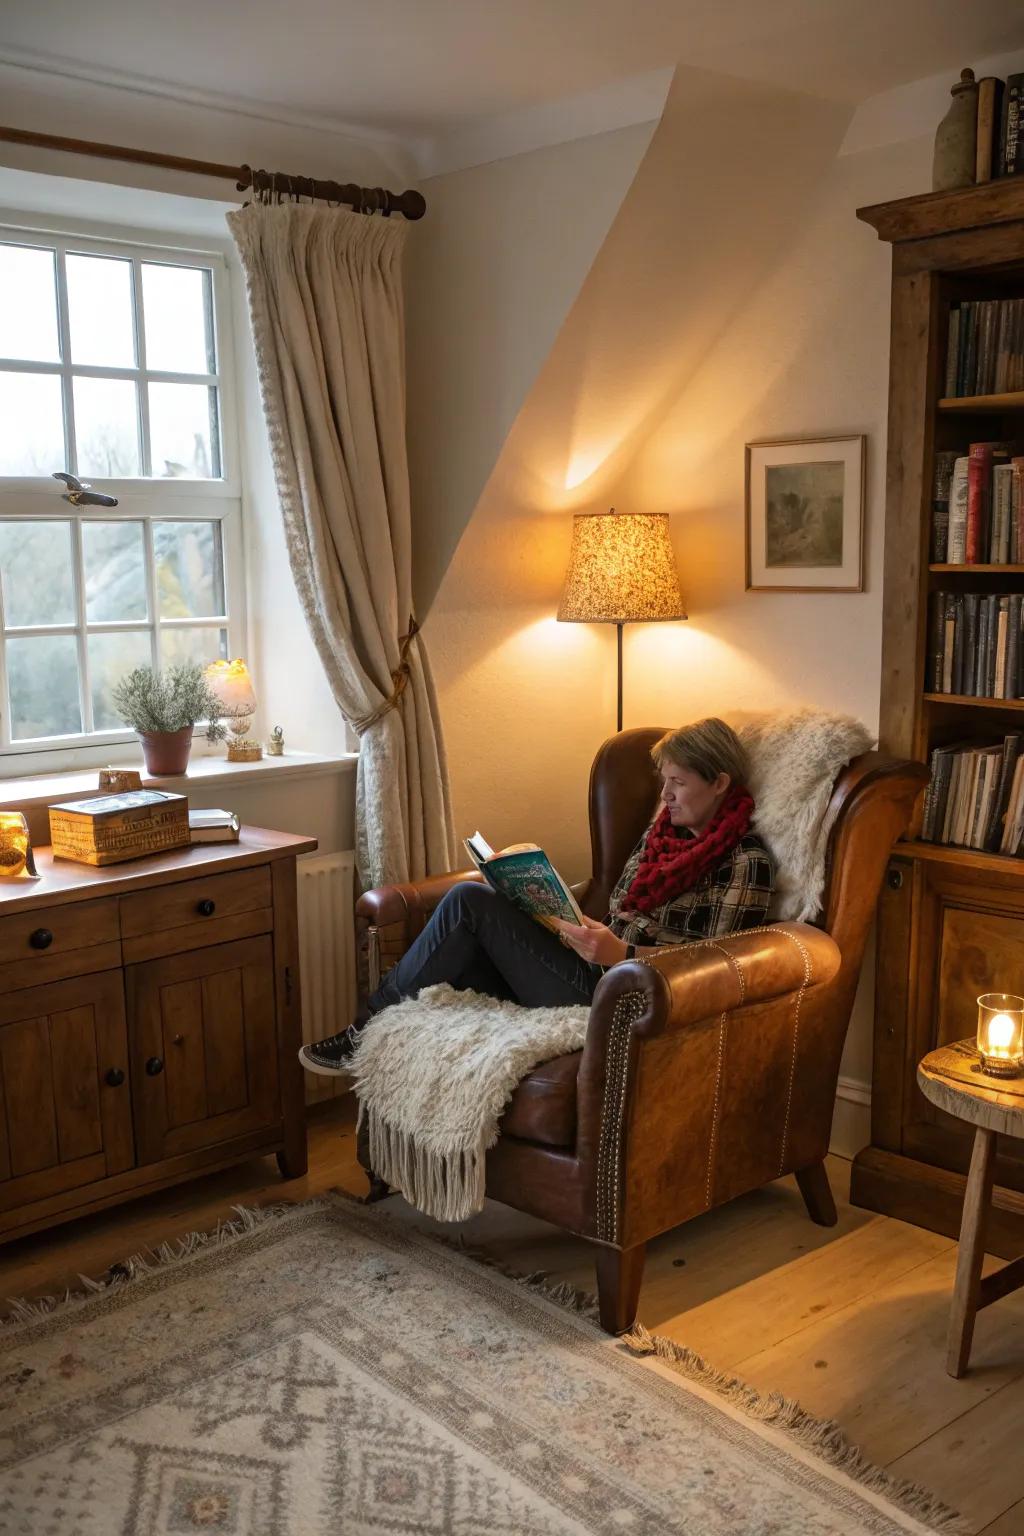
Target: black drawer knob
(206, 907)
(154, 1066)
(115, 1077)
(40, 938)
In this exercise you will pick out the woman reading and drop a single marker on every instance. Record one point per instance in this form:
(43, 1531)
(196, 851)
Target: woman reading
(698, 872)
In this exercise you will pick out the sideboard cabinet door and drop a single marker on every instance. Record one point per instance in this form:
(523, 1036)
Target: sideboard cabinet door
(203, 1045)
(65, 1096)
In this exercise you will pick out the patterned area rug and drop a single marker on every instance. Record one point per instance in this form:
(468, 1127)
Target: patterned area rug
(324, 1369)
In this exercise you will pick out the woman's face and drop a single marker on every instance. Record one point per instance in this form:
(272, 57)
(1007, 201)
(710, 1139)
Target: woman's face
(690, 800)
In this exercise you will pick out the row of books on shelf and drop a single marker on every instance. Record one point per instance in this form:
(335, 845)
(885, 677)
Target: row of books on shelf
(975, 797)
(985, 347)
(978, 506)
(975, 645)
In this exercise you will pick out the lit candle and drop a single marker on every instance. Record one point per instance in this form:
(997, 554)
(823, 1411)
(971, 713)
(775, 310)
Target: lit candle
(1001, 1033)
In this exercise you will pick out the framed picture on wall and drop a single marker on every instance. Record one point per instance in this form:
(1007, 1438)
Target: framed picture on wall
(805, 515)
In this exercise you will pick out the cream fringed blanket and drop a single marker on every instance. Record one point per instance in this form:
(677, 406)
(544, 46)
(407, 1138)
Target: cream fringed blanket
(434, 1074)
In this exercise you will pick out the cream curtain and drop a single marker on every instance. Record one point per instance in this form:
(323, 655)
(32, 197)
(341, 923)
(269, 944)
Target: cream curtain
(325, 301)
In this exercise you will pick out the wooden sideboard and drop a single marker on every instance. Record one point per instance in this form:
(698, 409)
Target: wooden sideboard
(149, 1024)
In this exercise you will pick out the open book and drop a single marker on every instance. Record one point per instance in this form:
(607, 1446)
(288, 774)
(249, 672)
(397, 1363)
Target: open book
(526, 876)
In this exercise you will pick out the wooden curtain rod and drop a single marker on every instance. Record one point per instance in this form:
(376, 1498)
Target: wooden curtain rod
(273, 183)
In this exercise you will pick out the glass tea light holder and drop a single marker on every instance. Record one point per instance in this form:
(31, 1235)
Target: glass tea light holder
(16, 861)
(1001, 1034)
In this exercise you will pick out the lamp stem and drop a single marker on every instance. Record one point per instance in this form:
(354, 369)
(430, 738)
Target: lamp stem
(618, 630)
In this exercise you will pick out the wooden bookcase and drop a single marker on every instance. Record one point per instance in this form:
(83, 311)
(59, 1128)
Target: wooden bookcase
(951, 920)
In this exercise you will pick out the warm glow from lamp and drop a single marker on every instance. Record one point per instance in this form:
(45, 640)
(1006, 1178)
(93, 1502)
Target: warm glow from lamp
(1001, 1034)
(232, 683)
(622, 570)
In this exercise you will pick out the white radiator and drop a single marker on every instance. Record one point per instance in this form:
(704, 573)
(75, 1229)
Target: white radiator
(327, 954)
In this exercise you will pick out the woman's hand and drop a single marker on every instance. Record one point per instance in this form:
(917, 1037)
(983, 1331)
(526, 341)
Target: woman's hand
(593, 942)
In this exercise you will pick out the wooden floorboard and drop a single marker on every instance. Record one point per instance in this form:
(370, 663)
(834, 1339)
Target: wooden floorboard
(849, 1320)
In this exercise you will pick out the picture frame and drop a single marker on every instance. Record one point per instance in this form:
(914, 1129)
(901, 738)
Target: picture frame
(804, 500)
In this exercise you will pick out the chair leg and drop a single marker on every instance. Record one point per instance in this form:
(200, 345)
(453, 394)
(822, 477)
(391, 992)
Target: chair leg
(619, 1272)
(817, 1193)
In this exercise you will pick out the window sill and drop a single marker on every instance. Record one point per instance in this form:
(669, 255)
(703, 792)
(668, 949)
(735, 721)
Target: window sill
(43, 789)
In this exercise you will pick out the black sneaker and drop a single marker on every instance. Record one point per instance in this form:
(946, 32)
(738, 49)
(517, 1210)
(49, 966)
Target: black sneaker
(332, 1057)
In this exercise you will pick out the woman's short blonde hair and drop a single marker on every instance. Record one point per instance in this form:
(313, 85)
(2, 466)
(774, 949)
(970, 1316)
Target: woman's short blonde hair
(708, 747)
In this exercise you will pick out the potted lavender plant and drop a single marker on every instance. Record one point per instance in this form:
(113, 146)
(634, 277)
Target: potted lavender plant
(164, 708)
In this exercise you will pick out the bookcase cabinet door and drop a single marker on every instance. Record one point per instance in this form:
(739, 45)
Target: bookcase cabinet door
(969, 939)
(65, 1098)
(203, 1047)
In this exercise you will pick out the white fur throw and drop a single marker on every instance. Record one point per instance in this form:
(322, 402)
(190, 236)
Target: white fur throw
(434, 1074)
(795, 758)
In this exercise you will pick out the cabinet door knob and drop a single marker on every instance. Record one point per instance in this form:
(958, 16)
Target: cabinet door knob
(206, 907)
(154, 1066)
(40, 938)
(115, 1077)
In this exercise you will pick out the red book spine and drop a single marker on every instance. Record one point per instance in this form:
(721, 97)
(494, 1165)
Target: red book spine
(1017, 511)
(979, 479)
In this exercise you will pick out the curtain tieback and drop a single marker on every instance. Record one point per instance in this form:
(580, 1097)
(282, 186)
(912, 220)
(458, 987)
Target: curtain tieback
(399, 682)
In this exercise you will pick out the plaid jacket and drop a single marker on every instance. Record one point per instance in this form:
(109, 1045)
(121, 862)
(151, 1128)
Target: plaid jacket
(727, 899)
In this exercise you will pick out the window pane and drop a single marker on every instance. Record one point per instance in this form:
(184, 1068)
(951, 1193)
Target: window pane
(110, 657)
(107, 428)
(115, 572)
(31, 424)
(42, 679)
(201, 645)
(35, 572)
(189, 570)
(100, 311)
(28, 304)
(178, 306)
(183, 431)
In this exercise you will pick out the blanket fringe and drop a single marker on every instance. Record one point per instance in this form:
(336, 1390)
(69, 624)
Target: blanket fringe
(823, 1437)
(443, 1181)
(22, 1312)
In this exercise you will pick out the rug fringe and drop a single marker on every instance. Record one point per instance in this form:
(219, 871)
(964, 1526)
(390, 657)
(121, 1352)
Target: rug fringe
(562, 1292)
(824, 1437)
(23, 1312)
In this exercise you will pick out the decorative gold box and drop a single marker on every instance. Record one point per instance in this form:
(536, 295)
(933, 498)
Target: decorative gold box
(108, 829)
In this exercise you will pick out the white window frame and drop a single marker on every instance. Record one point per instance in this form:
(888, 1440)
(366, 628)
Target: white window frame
(145, 498)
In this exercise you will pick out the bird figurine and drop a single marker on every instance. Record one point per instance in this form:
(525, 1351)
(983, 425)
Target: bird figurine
(80, 494)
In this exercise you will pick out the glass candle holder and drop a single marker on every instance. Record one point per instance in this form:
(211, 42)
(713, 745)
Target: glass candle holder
(1001, 1033)
(15, 847)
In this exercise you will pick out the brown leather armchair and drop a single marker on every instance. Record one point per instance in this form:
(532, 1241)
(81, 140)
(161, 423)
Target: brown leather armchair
(709, 1069)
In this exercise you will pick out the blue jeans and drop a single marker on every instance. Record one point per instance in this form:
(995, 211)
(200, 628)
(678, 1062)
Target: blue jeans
(477, 939)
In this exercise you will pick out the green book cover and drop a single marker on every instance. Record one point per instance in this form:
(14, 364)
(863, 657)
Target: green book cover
(524, 875)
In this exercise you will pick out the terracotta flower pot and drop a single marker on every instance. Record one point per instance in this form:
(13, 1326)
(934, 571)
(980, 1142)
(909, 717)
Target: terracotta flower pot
(166, 752)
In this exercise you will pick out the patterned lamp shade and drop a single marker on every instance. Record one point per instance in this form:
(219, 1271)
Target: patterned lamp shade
(622, 570)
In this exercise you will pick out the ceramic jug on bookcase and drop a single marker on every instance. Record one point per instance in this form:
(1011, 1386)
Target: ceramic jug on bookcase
(956, 138)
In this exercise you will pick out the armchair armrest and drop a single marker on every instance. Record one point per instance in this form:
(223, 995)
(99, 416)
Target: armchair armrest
(411, 902)
(692, 1059)
(712, 976)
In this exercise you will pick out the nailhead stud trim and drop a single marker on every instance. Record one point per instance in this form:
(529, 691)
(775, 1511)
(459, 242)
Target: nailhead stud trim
(628, 1008)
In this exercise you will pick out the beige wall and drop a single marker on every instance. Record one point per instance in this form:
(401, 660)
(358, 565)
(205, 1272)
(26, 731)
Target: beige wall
(736, 297)
(491, 274)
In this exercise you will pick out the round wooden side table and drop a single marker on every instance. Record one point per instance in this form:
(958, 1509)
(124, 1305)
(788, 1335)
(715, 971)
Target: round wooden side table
(952, 1079)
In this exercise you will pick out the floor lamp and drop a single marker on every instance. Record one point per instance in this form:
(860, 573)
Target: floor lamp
(622, 570)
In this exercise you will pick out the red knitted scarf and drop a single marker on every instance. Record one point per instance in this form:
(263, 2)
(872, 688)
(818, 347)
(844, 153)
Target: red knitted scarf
(670, 864)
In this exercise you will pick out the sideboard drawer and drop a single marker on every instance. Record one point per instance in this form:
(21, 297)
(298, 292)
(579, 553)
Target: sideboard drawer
(50, 943)
(195, 913)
